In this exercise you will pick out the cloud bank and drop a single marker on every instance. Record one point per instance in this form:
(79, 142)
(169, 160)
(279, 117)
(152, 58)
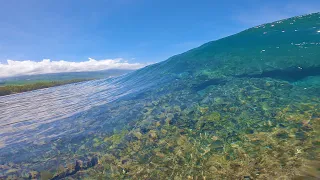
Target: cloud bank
(29, 67)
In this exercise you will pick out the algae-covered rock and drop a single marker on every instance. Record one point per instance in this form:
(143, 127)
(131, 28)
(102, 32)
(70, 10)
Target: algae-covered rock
(203, 110)
(153, 134)
(215, 116)
(137, 135)
(46, 175)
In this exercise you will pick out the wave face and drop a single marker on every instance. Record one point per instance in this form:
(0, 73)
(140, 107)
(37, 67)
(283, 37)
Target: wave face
(22, 114)
(257, 72)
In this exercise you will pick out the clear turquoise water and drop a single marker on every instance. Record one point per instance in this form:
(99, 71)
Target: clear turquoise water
(243, 107)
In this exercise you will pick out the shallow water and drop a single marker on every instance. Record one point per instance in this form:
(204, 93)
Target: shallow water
(27, 111)
(243, 107)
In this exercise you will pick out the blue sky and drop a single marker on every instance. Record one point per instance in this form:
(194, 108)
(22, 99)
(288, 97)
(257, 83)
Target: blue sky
(139, 31)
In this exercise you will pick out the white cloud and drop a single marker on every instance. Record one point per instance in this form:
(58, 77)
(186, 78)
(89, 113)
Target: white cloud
(29, 67)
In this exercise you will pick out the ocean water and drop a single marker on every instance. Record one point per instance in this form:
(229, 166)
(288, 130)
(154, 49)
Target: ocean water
(243, 107)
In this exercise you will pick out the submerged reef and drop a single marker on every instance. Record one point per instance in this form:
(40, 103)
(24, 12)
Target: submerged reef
(223, 136)
(248, 128)
(243, 107)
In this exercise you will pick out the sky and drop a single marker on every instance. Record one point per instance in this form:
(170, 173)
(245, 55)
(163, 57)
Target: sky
(39, 36)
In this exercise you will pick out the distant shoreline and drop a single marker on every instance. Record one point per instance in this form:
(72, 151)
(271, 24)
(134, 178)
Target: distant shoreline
(14, 89)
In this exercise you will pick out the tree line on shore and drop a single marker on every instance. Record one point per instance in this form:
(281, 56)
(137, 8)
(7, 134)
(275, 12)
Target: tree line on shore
(12, 89)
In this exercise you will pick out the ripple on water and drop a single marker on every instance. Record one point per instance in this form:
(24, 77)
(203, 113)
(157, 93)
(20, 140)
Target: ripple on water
(21, 114)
